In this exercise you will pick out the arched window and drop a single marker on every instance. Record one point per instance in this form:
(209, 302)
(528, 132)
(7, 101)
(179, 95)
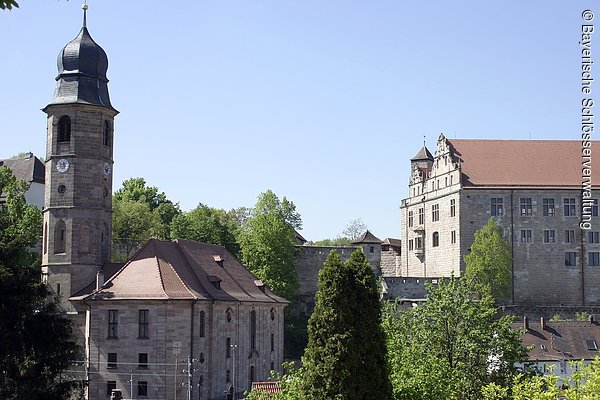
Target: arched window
(252, 375)
(436, 239)
(106, 135)
(252, 330)
(272, 314)
(228, 312)
(60, 237)
(64, 129)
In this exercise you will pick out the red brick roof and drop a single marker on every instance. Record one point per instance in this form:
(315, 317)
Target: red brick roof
(264, 389)
(182, 269)
(545, 163)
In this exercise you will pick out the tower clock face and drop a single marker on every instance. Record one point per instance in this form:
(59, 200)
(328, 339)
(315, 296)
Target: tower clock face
(106, 169)
(62, 165)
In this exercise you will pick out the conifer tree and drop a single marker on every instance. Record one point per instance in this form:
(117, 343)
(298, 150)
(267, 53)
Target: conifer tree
(346, 353)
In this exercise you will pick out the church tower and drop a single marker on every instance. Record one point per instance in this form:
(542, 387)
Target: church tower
(79, 160)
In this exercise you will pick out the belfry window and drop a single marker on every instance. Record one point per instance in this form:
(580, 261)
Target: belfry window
(106, 135)
(64, 129)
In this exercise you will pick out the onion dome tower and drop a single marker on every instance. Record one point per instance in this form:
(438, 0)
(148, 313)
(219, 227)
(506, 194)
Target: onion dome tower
(79, 159)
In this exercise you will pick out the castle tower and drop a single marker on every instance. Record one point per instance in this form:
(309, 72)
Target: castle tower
(79, 159)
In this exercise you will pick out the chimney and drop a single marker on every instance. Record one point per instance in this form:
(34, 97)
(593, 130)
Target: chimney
(542, 323)
(526, 323)
(99, 280)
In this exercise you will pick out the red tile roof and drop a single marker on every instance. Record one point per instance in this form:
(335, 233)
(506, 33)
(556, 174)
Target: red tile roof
(546, 163)
(264, 389)
(182, 269)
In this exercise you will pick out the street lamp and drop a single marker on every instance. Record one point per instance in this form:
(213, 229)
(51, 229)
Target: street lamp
(234, 347)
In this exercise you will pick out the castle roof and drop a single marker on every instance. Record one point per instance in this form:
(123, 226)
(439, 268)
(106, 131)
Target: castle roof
(183, 270)
(422, 155)
(517, 163)
(29, 169)
(82, 66)
(367, 237)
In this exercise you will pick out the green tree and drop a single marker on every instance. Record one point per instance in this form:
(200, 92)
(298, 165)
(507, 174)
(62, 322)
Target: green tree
(345, 356)
(450, 346)
(133, 225)
(338, 241)
(267, 243)
(488, 265)
(208, 225)
(354, 229)
(135, 189)
(36, 345)
(8, 4)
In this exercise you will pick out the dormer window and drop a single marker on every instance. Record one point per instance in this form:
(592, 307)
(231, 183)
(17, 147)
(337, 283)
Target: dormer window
(215, 280)
(591, 345)
(64, 129)
(260, 285)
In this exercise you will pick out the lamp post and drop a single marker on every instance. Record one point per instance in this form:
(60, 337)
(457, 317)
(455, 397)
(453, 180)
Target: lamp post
(234, 347)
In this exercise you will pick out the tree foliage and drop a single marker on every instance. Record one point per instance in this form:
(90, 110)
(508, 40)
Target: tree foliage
(338, 241)
(8, 4)
(345, 356)
(35, 341)
(207, 225)
(488, 265)
(267, 243)
(450, 346)
(133, 225)
(354, 229)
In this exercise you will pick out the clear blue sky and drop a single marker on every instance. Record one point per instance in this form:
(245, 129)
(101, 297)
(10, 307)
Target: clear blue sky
(323, 102)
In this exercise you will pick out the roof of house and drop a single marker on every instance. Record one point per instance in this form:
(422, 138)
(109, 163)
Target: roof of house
(367, 237)
(561, 340)
(29, 169)
(423, 154)
(392, 242)
(546, 163)
(299, 238)
(264, 389)
(185, 270)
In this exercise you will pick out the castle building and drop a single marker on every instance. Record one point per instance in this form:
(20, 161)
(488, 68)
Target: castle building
(538, 191)
(180, 319)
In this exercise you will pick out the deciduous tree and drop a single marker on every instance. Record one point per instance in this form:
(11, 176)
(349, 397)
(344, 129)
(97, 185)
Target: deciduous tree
(133, 225)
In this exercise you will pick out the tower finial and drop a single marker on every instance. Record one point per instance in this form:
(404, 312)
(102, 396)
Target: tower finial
(423, 140)
(84, 6)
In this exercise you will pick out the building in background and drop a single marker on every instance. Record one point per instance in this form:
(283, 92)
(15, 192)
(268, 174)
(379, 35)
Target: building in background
(28, 168)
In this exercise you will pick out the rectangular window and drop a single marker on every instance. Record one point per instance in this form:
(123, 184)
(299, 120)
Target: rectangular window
(569, 236)
(549, 236)
(110, 386)
(143, 324)
(410, 244)
(595, 208)
(371, 249)
(112, 360)
(435, 212)
(410, 219)
(228, 348)
(421, 216)
(202, 323)
(113, 323)
(143, 360)
(453, 237)
(452, 207)
(272, 342)
(418, 243)
(526, 236)
(548, 205)
(569, 207)
(142, 388)
(594, 237)
(594, 259)
(252, 330)
(570, 258)
(526, 206)
(496, 207)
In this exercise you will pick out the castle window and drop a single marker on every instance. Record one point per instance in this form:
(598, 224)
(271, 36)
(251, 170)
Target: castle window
(526, 206)
(569, 236)
(526, 236)
(113, 324)
(436, 239)
(594, 237)
(143, 360)
(228, 348)
(435, 212)
(418, 243)
(570, 258)
(594, 258)
(453, 237)
(64, 129)
(142, 388)
(112, 361)
(450, 180)
(272, 342)
(569, 207)
(110, 386)
(106, 135)
(421, 216)
(595, 208)
(410, 219)
(272, 313)
(143, 324)
(452, 207)
(60, 237)
(228, 313)
(371, 249)
(252, 330)
(548, 205)
(549, 236)
(202, 323)
(446, 181)
(410, 244)
(496, 207)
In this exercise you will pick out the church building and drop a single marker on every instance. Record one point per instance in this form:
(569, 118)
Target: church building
(180, 319)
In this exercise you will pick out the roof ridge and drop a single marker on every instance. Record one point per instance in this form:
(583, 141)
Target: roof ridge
(175, 271)
(162, 282)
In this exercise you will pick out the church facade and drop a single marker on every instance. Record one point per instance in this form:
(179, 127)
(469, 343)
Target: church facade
(533, 189)
(180, 318)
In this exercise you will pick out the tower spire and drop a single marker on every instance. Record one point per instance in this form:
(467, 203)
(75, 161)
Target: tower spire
(84, 6)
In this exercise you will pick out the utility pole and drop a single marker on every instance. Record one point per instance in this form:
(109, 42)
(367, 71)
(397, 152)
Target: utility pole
(234, 347)
(131, 384)
(189, 375)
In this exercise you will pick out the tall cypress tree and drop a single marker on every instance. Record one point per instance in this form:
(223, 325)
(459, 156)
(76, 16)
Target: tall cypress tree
(345, 357)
